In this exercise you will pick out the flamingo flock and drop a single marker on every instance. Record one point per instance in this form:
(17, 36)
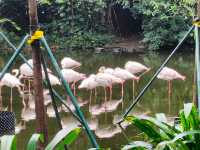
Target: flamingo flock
(105, 77)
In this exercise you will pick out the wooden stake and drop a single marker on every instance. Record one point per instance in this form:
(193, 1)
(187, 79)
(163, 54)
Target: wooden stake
(41, 120)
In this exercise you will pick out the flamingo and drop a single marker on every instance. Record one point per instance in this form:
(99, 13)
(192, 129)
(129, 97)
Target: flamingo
(135, 68)
(107, 80)
(124, 75)
(11, 81)
(72, 76)
(25, 72)
(120, 73)
(170, 74)
(90, 84)
(52, 78)
(68, 62)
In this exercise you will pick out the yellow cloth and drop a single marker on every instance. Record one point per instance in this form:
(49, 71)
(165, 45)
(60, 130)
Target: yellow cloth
(196, 23)
(36, 36)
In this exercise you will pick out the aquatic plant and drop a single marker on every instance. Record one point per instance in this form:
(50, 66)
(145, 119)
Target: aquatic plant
(62, 138)
(161, 135)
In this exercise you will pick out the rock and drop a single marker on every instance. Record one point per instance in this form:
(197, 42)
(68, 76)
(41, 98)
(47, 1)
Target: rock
(98, 50)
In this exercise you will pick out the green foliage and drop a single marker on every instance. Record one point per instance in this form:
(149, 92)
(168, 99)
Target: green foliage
(164, 136)
(164, 21)
(63, 137)
(81, 40)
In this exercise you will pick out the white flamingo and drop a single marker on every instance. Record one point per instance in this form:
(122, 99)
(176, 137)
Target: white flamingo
(68, 63)
(90, 84)
(10, 81)
(107, 80)
(72, 76)
(135, 68)
(170, 74)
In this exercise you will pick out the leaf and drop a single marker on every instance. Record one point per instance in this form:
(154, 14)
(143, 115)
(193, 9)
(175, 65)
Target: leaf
(32, 144)
(177, 141)
(138, 144)
(8, 142)
(187, 109)
(63, 137)
(147, 127)
(161, 117)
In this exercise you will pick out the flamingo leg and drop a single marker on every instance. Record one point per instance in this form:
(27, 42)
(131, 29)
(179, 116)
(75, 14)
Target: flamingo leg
(95, 93)
(1, 102)
(95, 90)
(29, 88)
(133, 89)
(110, 92)
(122, 90)
(169, 88)
(169, 94)
(90, 101)
(11, 99)
(23, 96)
(105, 94)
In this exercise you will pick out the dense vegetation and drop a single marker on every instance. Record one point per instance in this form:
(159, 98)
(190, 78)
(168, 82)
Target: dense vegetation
(162, 135)
(88, 24)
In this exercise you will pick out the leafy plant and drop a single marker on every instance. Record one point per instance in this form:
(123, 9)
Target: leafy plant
(164, 136)
(62, 138)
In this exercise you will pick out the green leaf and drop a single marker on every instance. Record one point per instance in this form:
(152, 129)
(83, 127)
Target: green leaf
(63, 137)
(138, 144)
(8, 142)
(147, 127)
(176, 142)
(161, 117)
(187, 109)
(32, 144)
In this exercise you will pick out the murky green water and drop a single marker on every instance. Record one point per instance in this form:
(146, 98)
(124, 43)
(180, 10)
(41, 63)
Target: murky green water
(154, 101)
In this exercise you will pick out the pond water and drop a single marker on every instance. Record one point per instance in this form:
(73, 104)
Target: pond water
(155, 100)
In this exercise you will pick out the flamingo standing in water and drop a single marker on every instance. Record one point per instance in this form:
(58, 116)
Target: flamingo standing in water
(169, 74)
(72, 76)
(11, 81)
(68, 63)
(90, 84)
(135, 68)
(107, 80)
(119, 73)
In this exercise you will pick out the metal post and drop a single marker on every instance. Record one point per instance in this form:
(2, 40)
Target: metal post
(72, 97)
(138, 98)
(14, 56)
(197, 61)
(41, 118)
(52, 95)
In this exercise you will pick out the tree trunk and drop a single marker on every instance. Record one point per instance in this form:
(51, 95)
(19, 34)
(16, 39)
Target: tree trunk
(41, 120)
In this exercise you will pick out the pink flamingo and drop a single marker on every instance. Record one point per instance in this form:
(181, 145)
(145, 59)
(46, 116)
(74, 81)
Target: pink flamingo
(169, 74)
(90, 84)
(68, 62)
(72, 76)
(135, 68)
(124, 75)
(107, 80)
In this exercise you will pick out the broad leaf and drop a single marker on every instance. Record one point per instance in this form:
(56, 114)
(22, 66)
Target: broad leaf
(138, 145)
(32, 144)
(187, 109)
(63, 137)
(8, 142)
